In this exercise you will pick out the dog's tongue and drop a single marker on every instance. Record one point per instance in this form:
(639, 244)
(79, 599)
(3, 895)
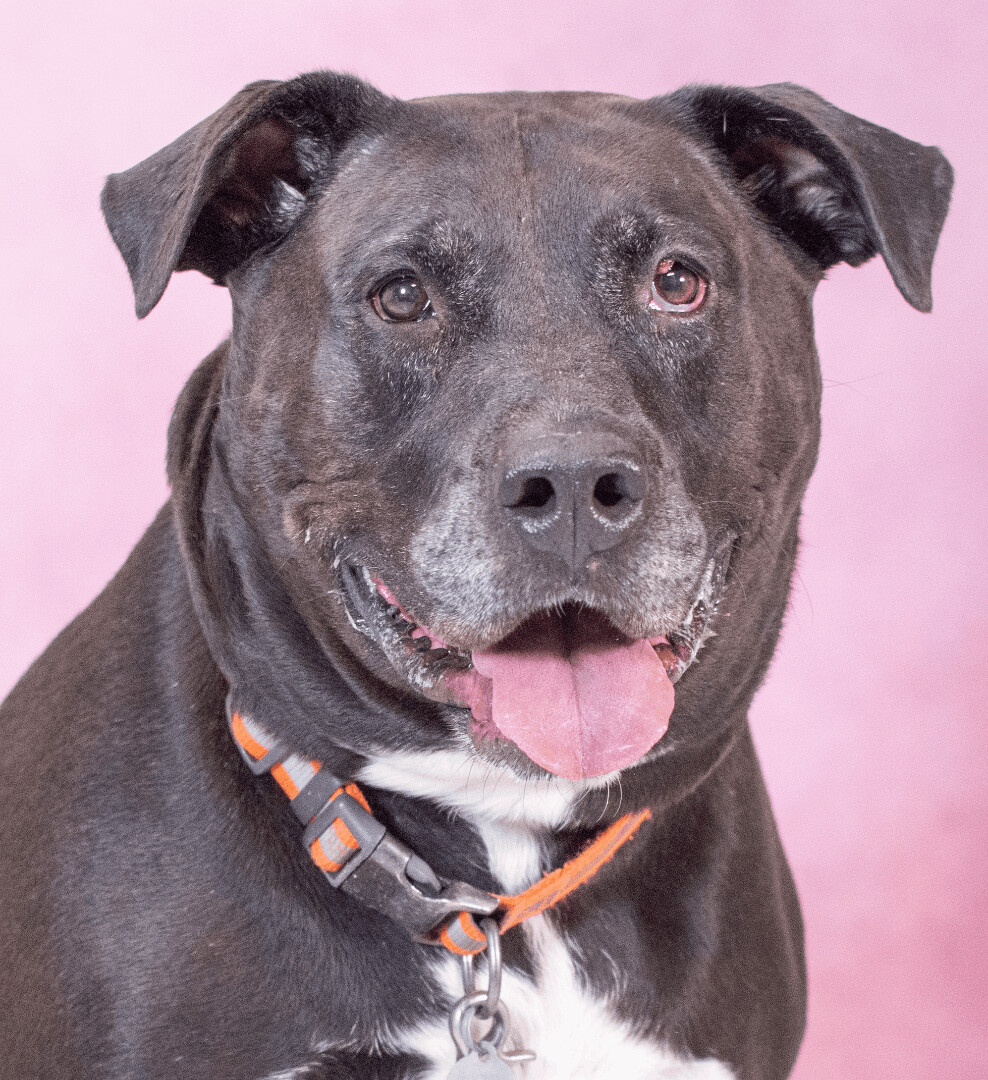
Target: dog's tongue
(576, 696)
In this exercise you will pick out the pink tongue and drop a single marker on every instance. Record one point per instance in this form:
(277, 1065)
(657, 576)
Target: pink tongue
(580, 709)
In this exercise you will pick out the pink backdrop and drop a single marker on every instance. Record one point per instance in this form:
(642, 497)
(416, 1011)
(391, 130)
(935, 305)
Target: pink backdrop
(872, 726)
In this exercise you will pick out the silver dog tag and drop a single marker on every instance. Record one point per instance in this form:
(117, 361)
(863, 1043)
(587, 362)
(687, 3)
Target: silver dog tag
(482, 1064)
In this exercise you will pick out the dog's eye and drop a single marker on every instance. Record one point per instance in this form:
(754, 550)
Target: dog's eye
(676, 288)
(402, 299)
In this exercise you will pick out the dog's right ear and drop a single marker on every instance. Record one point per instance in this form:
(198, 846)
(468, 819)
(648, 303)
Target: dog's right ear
(235, 182)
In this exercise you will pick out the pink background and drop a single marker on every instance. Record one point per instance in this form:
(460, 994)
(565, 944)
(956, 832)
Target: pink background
(872, 726)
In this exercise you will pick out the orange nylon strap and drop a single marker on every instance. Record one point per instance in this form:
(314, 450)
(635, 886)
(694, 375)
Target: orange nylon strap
(464, 937)
(460, 934)
(558, 884)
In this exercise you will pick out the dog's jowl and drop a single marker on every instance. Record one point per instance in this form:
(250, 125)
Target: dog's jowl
(480, 536)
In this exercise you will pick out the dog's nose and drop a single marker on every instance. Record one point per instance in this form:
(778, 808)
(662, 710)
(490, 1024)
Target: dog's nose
(573, 496)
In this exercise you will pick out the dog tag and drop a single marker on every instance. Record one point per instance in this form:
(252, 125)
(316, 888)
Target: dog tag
(482, 1064)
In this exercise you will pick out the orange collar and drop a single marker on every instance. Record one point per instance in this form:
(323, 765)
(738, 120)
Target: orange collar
(357, 854)
(464, 937)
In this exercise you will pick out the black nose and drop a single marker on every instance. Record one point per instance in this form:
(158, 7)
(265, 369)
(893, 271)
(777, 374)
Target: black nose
(573, 496)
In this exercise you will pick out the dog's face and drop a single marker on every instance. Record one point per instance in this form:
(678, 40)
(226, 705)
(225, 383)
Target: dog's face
(521, 398)
(535, 383)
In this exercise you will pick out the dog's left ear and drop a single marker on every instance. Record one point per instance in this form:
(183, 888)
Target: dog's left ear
(235, 182)
(841, 188)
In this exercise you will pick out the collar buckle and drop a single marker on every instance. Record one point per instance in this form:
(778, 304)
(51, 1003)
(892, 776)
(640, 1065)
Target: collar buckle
(386, 875)
(393, 880)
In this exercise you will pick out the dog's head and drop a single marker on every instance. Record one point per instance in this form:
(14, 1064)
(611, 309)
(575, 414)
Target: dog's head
(520, 402)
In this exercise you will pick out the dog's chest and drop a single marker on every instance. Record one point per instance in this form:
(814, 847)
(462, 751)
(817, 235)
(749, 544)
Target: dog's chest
(575, 1034)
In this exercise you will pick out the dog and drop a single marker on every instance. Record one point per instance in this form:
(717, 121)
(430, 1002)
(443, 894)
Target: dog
(483, 519)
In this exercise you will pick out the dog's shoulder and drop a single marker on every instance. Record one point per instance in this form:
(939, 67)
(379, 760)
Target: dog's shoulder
(96, 666)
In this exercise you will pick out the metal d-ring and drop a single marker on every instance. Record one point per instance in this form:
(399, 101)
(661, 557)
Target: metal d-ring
(468, 970)
(488, 1010)
(468, 973)
(483, 1005)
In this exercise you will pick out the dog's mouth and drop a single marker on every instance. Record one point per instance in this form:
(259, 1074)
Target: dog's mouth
(574, 693)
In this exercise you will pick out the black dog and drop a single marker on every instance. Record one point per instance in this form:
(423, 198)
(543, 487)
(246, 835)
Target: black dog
(517, 412)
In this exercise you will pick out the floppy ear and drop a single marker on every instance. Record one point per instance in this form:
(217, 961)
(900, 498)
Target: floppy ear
(841, 188)
(235, 182)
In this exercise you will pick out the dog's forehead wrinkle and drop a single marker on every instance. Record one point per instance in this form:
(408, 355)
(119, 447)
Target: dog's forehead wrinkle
(523, 203)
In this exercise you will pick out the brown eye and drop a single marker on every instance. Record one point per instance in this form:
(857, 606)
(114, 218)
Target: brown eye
(676, 288)
(402, 299)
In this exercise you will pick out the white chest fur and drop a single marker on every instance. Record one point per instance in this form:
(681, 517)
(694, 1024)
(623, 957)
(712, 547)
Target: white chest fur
(575, 1035)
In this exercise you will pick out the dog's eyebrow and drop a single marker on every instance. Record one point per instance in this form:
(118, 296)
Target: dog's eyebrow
(633, 236)
(443, 251)
(435, 246)
(629, 235)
